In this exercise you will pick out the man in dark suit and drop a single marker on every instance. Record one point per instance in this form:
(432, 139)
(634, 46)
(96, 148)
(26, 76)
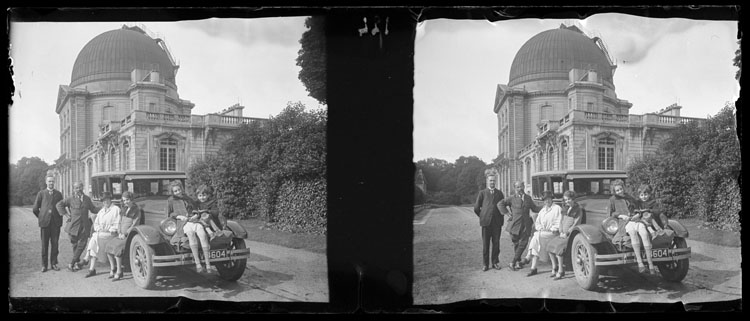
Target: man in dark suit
(491, 222)
(78, 227)
(520, 224)
(49, 222)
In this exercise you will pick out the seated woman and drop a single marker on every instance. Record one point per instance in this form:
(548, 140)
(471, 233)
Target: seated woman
(105, 227)
(546, 225)
(181, 207)
(129, 218)
(571, 216)
(211, 217)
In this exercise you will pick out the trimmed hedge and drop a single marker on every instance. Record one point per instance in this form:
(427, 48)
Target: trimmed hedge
(300, 207)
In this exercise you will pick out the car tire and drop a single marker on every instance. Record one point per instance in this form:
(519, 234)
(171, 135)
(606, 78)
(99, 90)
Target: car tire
(233, 270)
(141, 262)
(583, 255)
(675, 271)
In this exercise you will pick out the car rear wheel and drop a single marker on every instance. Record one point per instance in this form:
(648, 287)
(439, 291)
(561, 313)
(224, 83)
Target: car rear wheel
(141, 263)
(582, 255)
(677, 270)
(233, 270)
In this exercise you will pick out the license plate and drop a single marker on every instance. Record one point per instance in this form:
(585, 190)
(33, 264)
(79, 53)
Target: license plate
(660, 253)
(216, 254)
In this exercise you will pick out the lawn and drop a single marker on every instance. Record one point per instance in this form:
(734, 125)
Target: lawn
(713, 236)
(258, 231)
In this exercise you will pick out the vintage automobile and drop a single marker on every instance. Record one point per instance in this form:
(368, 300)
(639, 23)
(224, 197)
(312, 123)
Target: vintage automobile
(593, 253)
(150, 253)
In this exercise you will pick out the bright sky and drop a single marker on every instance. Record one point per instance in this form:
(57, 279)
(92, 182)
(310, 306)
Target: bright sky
(222, 62)
(459, 63)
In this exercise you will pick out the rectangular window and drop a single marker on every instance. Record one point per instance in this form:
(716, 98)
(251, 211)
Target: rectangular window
(590, 107)
(607, 158)
(151, 107)
(168, 155)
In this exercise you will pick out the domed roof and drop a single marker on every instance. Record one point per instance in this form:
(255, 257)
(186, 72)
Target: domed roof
(553, 53)
(114, 54)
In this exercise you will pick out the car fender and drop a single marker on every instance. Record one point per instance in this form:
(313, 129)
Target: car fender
(592, 234)
(237, 229)
(678, 228)
(150, 234)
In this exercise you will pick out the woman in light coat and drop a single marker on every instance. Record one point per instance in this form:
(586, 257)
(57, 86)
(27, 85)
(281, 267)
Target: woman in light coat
(547, 227)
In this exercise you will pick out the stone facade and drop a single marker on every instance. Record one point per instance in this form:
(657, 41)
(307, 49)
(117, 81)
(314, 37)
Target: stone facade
(549, 123)
(110, 124)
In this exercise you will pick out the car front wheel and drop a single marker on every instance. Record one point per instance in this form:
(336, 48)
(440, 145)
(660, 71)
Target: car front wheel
(233, 270)
(582, 255)
(677, 270)
(141, 263)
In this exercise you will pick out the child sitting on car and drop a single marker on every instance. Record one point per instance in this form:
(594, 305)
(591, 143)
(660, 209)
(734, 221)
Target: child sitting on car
(210, 217)
(651, 212)
(623, 207)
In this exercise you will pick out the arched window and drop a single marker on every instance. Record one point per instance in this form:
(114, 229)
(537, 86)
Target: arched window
(606, 154)
(168, 155)
(112, 162)
(564, 154)
(125, 155)
(550, 159)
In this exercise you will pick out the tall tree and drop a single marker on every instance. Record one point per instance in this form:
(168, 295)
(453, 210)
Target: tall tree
(27, 178)
(312, 58)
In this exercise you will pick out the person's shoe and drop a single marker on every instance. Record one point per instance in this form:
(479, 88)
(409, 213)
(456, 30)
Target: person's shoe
(78, 266)
(512, 266)
(485, 268)
(83, 263)
(519, 266)
(111, 274)
(210, 269)
(532, 272)
(44, 269)
(199, 269)
(642, 269)
(55, 267)
(559, 276)
(72, 267)
(652, 270)
(553, 274)
(117, 276)
(90, 273)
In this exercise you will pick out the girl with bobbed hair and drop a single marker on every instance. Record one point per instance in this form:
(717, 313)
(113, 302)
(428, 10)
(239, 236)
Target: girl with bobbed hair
(571, 216)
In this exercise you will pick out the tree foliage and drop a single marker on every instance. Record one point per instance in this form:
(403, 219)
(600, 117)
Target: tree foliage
(26, 179)
(453, 183)
(695, 171)
(275, 170)
(312, 58)
(737, 62)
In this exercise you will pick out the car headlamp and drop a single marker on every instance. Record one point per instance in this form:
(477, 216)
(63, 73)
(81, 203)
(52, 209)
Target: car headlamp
(610, 225)
(169, 226)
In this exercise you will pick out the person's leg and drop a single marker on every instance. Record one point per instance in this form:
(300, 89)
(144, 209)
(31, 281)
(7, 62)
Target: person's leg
(495, 241)
(54, 242)
(112, 265)
(646, 240)
(194, 247)
(533, 270)
(78, 247)
(203, 237)
(118, 261)
(636, 243)
(523, 243)
(560, 266)
(486, 246)
(553, 262)
(45, 236)
(516, 257)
